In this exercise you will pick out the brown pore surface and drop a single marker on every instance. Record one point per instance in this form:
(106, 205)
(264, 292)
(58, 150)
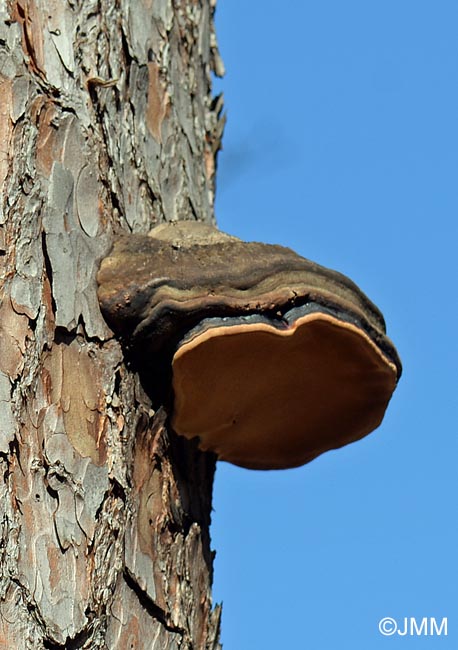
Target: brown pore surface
(264, 398)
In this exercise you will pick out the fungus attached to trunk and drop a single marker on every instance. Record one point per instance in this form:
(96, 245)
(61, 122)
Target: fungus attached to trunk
(269, 358)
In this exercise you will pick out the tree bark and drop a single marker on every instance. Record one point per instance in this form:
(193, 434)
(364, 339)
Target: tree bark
(107, 124)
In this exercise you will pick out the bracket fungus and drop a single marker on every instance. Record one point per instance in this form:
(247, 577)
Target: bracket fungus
(269, 359)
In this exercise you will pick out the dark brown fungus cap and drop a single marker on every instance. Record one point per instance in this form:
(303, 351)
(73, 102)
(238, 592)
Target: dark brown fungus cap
(272, 359)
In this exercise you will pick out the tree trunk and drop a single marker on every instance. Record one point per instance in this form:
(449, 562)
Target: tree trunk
(107, 124)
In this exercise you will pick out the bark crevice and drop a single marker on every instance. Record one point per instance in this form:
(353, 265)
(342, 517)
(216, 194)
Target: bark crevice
(151, 607)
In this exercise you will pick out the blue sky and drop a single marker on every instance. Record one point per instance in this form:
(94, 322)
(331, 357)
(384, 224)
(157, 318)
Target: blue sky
(342, 143)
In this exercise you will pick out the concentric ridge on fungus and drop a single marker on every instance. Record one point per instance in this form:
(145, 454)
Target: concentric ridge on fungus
(271, 359)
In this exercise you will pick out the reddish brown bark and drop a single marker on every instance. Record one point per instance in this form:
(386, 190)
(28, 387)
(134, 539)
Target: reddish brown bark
(107, 124)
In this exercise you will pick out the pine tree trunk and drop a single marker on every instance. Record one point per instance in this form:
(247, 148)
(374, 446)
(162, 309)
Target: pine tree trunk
(107, 125)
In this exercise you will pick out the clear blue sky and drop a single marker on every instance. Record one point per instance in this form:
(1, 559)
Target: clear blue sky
(342, 143)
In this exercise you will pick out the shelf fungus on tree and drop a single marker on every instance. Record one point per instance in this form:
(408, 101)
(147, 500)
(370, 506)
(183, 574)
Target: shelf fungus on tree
(269, 358)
